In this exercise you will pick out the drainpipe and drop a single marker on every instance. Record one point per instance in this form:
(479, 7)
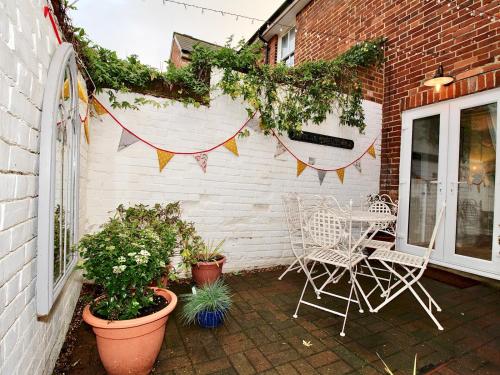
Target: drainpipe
(266, 58)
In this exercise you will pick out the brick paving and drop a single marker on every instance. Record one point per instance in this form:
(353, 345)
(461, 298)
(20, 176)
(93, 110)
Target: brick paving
(260, 335)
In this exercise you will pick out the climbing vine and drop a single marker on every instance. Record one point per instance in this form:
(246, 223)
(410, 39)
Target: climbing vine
(286, 97)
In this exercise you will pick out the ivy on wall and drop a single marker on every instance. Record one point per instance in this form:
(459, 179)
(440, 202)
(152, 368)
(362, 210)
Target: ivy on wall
(286, 97)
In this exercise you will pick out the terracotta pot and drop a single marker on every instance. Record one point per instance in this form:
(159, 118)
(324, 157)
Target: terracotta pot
(131, 346)
(207, 272)
(163, 279)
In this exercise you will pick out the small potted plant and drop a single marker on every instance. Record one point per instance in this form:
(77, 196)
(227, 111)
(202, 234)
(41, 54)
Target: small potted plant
(208, 306)
(205, 260)
(129, 318)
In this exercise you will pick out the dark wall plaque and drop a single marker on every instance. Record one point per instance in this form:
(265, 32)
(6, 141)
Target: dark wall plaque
(321, 139)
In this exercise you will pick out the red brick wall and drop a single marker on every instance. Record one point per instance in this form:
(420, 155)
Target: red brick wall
(176, 55)
(468, 47)
(273, 49)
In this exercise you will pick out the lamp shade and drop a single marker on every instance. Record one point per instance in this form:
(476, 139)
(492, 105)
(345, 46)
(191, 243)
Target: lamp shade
(439, 79)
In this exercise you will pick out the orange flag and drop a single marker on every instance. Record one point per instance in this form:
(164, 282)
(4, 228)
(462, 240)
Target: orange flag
(86, 129)
(340, 174)
(163, 158)
(99, 109)
(371, 151)
(300, 167)
(231, 146)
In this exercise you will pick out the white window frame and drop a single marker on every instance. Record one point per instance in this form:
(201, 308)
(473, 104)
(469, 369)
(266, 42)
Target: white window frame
(289, 54)
(63, 61)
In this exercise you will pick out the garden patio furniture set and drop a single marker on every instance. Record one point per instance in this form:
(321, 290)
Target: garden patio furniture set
(332, 242)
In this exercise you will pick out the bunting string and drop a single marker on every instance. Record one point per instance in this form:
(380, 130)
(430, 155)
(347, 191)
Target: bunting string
(101, 106)
(370, 149)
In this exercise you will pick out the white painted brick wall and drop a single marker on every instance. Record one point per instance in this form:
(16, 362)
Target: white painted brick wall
(28, 345)
(239, 198)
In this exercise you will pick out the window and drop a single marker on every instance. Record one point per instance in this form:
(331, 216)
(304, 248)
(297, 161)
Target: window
(58, 181)
(287, 47)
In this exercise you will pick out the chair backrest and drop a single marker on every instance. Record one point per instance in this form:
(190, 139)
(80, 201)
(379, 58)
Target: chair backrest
(429, 249)
(384, 204)
(292, 211)
(326, 228)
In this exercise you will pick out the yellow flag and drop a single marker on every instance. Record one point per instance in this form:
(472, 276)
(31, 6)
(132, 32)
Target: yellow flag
(371, 151)
(300, 167)
(99, 109)
(340, 174)
(86, 130)
(82, 93)
(163, 158)
(231, 146)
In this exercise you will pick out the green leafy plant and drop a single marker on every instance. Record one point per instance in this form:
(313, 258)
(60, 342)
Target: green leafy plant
(202, 252)
(123, 259)
(215, 297)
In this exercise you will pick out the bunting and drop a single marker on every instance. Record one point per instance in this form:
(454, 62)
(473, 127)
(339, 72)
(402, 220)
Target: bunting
(163, 158)
(312, 161)
(321, 176)
(86, 129)
(371, 151)
(357, 165)
(126, 139)
(99, 109)
(254, 124)
(202, 160)
(82, 93)
(300, 167)
(231, 146)
(340, 174)
(280, 149)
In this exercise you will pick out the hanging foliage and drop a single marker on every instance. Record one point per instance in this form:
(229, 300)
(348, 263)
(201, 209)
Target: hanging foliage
(286, 97)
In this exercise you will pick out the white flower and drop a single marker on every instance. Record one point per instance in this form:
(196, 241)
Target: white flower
(144, 253)
(162, 263)
(119, 269)
(131, 254)
(122, 259)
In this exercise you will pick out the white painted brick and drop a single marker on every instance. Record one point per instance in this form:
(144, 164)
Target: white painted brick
(13, 213)
(8, 61)
(5, 243)
(13, 288)
(8, 183)
(22, 160)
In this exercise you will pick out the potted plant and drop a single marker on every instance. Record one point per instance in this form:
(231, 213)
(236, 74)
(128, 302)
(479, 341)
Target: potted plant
(205, 260)
(208, 306)
(163, 220)
(129, 318)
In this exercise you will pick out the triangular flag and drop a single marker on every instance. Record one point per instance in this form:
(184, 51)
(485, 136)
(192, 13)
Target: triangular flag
(280, 149)
(300, 167)
(86, 129)
(357, 165)
(99, 109)
(312, 161)
(254, 124)
(163, 158)
(371, 151)
(231, 146)
(126, 139)
(66, 89)
(321, 176)
(82, 93)
(340, 174)
(202, 160)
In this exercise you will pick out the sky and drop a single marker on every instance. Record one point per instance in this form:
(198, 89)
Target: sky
(145, 27)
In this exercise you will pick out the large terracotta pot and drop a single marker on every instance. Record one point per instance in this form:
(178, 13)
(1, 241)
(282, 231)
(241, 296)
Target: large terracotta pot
(207, 272)
(131, 346)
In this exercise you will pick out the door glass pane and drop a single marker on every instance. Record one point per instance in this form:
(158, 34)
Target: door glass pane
(423, 181)
(284, 45)
(476, 181)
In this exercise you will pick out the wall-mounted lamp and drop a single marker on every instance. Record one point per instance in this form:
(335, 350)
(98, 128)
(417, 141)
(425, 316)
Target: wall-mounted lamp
(439, 79)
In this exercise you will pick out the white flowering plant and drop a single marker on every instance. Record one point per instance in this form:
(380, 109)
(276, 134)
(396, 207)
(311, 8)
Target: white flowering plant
(123, 259)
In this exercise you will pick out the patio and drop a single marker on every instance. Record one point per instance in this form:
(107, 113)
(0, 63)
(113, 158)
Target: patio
(261, 336)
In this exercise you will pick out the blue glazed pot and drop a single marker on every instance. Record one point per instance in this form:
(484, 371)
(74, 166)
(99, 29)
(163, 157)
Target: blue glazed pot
(210, 319)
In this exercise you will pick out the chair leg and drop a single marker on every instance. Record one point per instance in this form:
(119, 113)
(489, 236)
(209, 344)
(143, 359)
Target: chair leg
(342, 333)
(291, 267)
(304, 290)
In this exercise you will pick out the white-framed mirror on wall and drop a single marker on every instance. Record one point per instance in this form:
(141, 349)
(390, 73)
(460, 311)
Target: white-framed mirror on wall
(58, 179)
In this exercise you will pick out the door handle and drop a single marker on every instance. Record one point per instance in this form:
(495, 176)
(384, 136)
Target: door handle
(457, 184)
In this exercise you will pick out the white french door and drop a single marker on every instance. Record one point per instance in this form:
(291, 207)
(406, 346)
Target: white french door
(449, 154)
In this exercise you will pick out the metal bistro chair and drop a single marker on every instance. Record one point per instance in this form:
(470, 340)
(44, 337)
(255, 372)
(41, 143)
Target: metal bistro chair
(382, 204)
(330, 230)
(414, 266)
(296, 215)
